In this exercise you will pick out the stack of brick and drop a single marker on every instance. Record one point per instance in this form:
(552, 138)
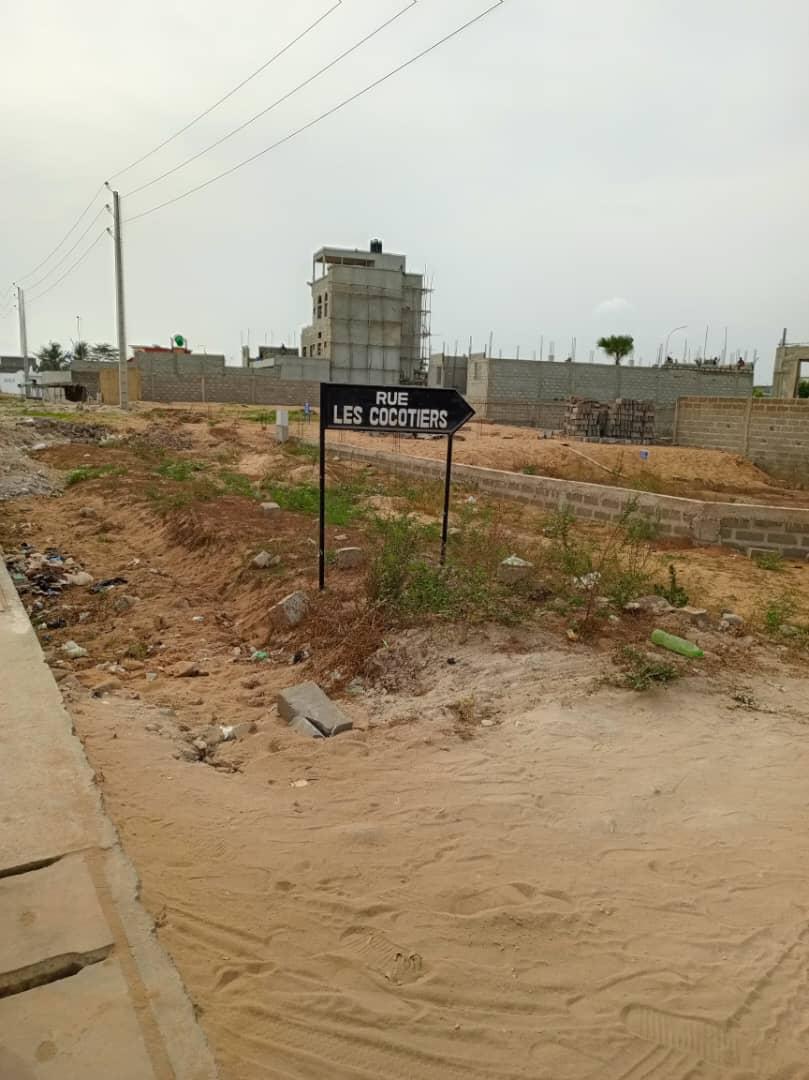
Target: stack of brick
(586, 419)
(632, 421)
(622, 420)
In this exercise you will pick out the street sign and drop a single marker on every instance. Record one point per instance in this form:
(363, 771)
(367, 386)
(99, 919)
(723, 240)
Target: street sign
(398, 410)
(414, 410)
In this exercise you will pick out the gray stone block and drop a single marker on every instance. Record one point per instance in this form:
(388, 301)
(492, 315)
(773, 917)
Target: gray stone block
(289, 611)
(696, 616)
(514, 569)
(348, 558)
(271, 509)
(307, 700)
(301, 726)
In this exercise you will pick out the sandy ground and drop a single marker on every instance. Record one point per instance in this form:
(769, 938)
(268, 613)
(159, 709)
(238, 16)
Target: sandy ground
(510, 868)
(599, 885)
(669, 470)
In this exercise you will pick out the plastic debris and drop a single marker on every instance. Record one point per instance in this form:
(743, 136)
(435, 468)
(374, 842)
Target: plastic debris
(677, 644)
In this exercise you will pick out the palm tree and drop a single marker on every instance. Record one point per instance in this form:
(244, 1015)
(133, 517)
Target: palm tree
(81, 350)
(619, 346)
(103, 351)
(52, 357)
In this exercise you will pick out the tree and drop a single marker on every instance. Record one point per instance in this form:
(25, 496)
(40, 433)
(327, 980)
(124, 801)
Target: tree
(103, 351)
(81, 350)
(618, 345)
(52, 357)
(803, 388)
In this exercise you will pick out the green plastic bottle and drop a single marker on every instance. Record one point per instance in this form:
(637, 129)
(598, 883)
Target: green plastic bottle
(677, 644)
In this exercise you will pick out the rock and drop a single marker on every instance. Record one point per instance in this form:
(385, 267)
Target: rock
(189, 753)
(347, 558)
(151, 676)
(81, 577)
(271, 509)
(788, 630)
(236, 731)
(301, 726)
(184, 670)
(105, 687)
(264, 560)
(124, 603)
(87, 512)
(197, 618)
(201, 745)
(289, 611)
(307, 700)
(167, 711)
(211, 737)
(343, 536)
(731, 621)
(514, 569)
(657, 605)
(73, 651)
(696, 616)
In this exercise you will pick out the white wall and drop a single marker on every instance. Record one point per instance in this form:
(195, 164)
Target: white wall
(11, 382)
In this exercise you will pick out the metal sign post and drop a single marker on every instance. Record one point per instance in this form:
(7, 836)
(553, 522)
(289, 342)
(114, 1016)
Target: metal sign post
(396, 410)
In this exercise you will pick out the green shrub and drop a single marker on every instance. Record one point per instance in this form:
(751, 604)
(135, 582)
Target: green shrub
(93, 472)
(341, 501)
(779, 610)
(180, 470)
(769, 560)
(643, 670)
(673, 591)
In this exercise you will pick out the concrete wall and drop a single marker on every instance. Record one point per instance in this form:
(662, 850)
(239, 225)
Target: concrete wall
(448, 371)
(206, 378)
(738, 525)
(772, 432)
(787, 371)
(11, 382)
(495, 380)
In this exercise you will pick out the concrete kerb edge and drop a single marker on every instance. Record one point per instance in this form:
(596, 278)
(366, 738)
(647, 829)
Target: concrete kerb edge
(154, 982)
(704, 522)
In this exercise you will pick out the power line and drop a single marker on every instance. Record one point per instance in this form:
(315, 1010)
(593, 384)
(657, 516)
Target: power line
(75, 224)
(69, 251)
(229, 94)
(329, 112)
(277, 102)
(73, 266)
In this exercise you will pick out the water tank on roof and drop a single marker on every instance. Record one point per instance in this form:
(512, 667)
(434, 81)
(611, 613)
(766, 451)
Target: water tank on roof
(376, 247)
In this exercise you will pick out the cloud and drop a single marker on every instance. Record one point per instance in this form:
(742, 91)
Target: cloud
(617, 305)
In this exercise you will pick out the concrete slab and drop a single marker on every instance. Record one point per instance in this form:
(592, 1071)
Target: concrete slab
(49, 805)
(48, 915)
(84, 1026)
(68, 899)
(307, 700)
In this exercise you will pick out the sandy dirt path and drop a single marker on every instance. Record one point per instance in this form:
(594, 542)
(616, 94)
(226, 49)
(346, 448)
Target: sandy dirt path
(506, 871)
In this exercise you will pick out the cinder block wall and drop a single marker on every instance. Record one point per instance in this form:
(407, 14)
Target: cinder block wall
(773, 433)
(738, 525)
(202, 379)
(496, 381)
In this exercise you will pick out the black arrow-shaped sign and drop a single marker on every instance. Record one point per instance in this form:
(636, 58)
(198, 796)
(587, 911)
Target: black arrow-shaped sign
(411, 410)
(402, 410)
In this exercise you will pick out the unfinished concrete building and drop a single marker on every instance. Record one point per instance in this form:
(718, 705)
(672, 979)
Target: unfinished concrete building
(368, 317)
(789, 370)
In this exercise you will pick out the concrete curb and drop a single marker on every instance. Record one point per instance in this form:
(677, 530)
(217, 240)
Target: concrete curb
(69, 1006)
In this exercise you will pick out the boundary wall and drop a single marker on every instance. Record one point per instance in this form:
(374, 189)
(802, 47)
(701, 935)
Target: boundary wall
(771, 432)
(738, 525)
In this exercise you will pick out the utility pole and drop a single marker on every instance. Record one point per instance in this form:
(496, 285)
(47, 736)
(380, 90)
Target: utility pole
(123, 373)
(23, 337)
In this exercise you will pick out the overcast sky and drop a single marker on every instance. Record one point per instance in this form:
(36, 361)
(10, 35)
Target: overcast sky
(561, 169)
